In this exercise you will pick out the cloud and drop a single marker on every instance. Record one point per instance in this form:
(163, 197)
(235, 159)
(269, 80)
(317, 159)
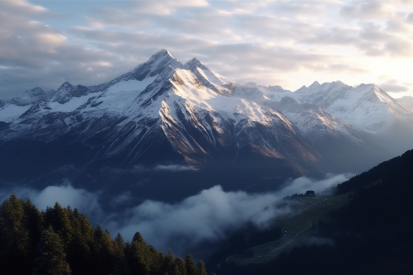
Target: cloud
(173, 168)
(166, 7)
(65, 194)
(210, 215)
(141, 169)
(286, 43)
(23, 8)
(392, 87)
(302, 184)
(207, 216)
(123, 198)
(368, 10)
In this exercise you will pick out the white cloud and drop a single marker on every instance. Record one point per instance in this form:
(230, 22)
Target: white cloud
(210, 215)
(207, 216)
(173, 168)
(288, 43)
(65, 194)
(368, 10)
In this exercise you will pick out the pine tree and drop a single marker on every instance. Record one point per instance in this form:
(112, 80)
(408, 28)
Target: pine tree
(138, 238)
(34, 223)
(121, 267)
(58, 218)
(14, 237)
(52, 258)
(34, 226)
(138, 260)
(191, 268)
(79, 251)
(106, 255)
(201, 268)
(120, 242)
(169, 263)
(180, 268)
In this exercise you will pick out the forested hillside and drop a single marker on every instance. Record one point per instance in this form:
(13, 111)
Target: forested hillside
(63, 241)
(371, 235)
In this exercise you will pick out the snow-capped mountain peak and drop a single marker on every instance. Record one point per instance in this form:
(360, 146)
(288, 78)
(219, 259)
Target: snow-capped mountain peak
(30, 96)
(193, 64)
(164, 112)
(365, 106)
(209, 78)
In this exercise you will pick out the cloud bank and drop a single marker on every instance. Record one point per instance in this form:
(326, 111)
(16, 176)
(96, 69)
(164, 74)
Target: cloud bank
(208, 216)
(65, 194)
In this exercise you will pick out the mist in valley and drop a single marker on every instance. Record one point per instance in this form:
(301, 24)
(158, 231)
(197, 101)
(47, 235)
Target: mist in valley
(198, 221)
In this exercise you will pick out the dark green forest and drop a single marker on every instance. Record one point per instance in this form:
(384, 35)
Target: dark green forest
(373, 234)
(62, 241)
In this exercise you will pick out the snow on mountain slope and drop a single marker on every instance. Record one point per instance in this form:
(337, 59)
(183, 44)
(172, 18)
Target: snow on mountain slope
(313, 122)
(406, 101)
(209, 78)
(10, 112)
(31, 96)
(117, 97)
(366, 107)
(252, 91)
(178, 101)
(163, 112)
(13, 109)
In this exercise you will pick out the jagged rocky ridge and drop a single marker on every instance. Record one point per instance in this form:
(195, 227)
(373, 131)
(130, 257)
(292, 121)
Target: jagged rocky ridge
(165, 116)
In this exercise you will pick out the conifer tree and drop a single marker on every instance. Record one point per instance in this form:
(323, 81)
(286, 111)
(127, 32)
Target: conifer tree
(105, 252)
(169, 263)
(14, 237)
(120, 242)
(62, 241)
(51, 256)
(79, 250)
(201, 268)
(138, 238)
(180, 268)
(34, 223)
(121, 267)
(191, 268)
(59, 219)
(138, 259)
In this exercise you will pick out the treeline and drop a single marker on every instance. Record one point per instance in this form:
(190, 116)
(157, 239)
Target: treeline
(387, 170)
(371, 235)
(63, 241)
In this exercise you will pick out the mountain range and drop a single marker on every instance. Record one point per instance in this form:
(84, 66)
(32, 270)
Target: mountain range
(165, 130)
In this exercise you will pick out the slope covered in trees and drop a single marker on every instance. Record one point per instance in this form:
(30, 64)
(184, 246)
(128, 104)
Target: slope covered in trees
(370, 235)
(63, 241)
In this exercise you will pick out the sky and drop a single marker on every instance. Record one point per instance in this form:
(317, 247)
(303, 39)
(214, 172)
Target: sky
(44, 43)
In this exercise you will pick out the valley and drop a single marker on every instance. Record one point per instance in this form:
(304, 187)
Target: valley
(297, 228)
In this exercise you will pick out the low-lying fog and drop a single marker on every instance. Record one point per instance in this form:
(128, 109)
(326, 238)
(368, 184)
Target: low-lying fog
(205, 217)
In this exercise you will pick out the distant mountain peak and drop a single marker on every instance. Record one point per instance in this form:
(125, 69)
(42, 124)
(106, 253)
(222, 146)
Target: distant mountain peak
(314, 85)
(161, 55)
(65, 84)
(193, 64)
(35, 92)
